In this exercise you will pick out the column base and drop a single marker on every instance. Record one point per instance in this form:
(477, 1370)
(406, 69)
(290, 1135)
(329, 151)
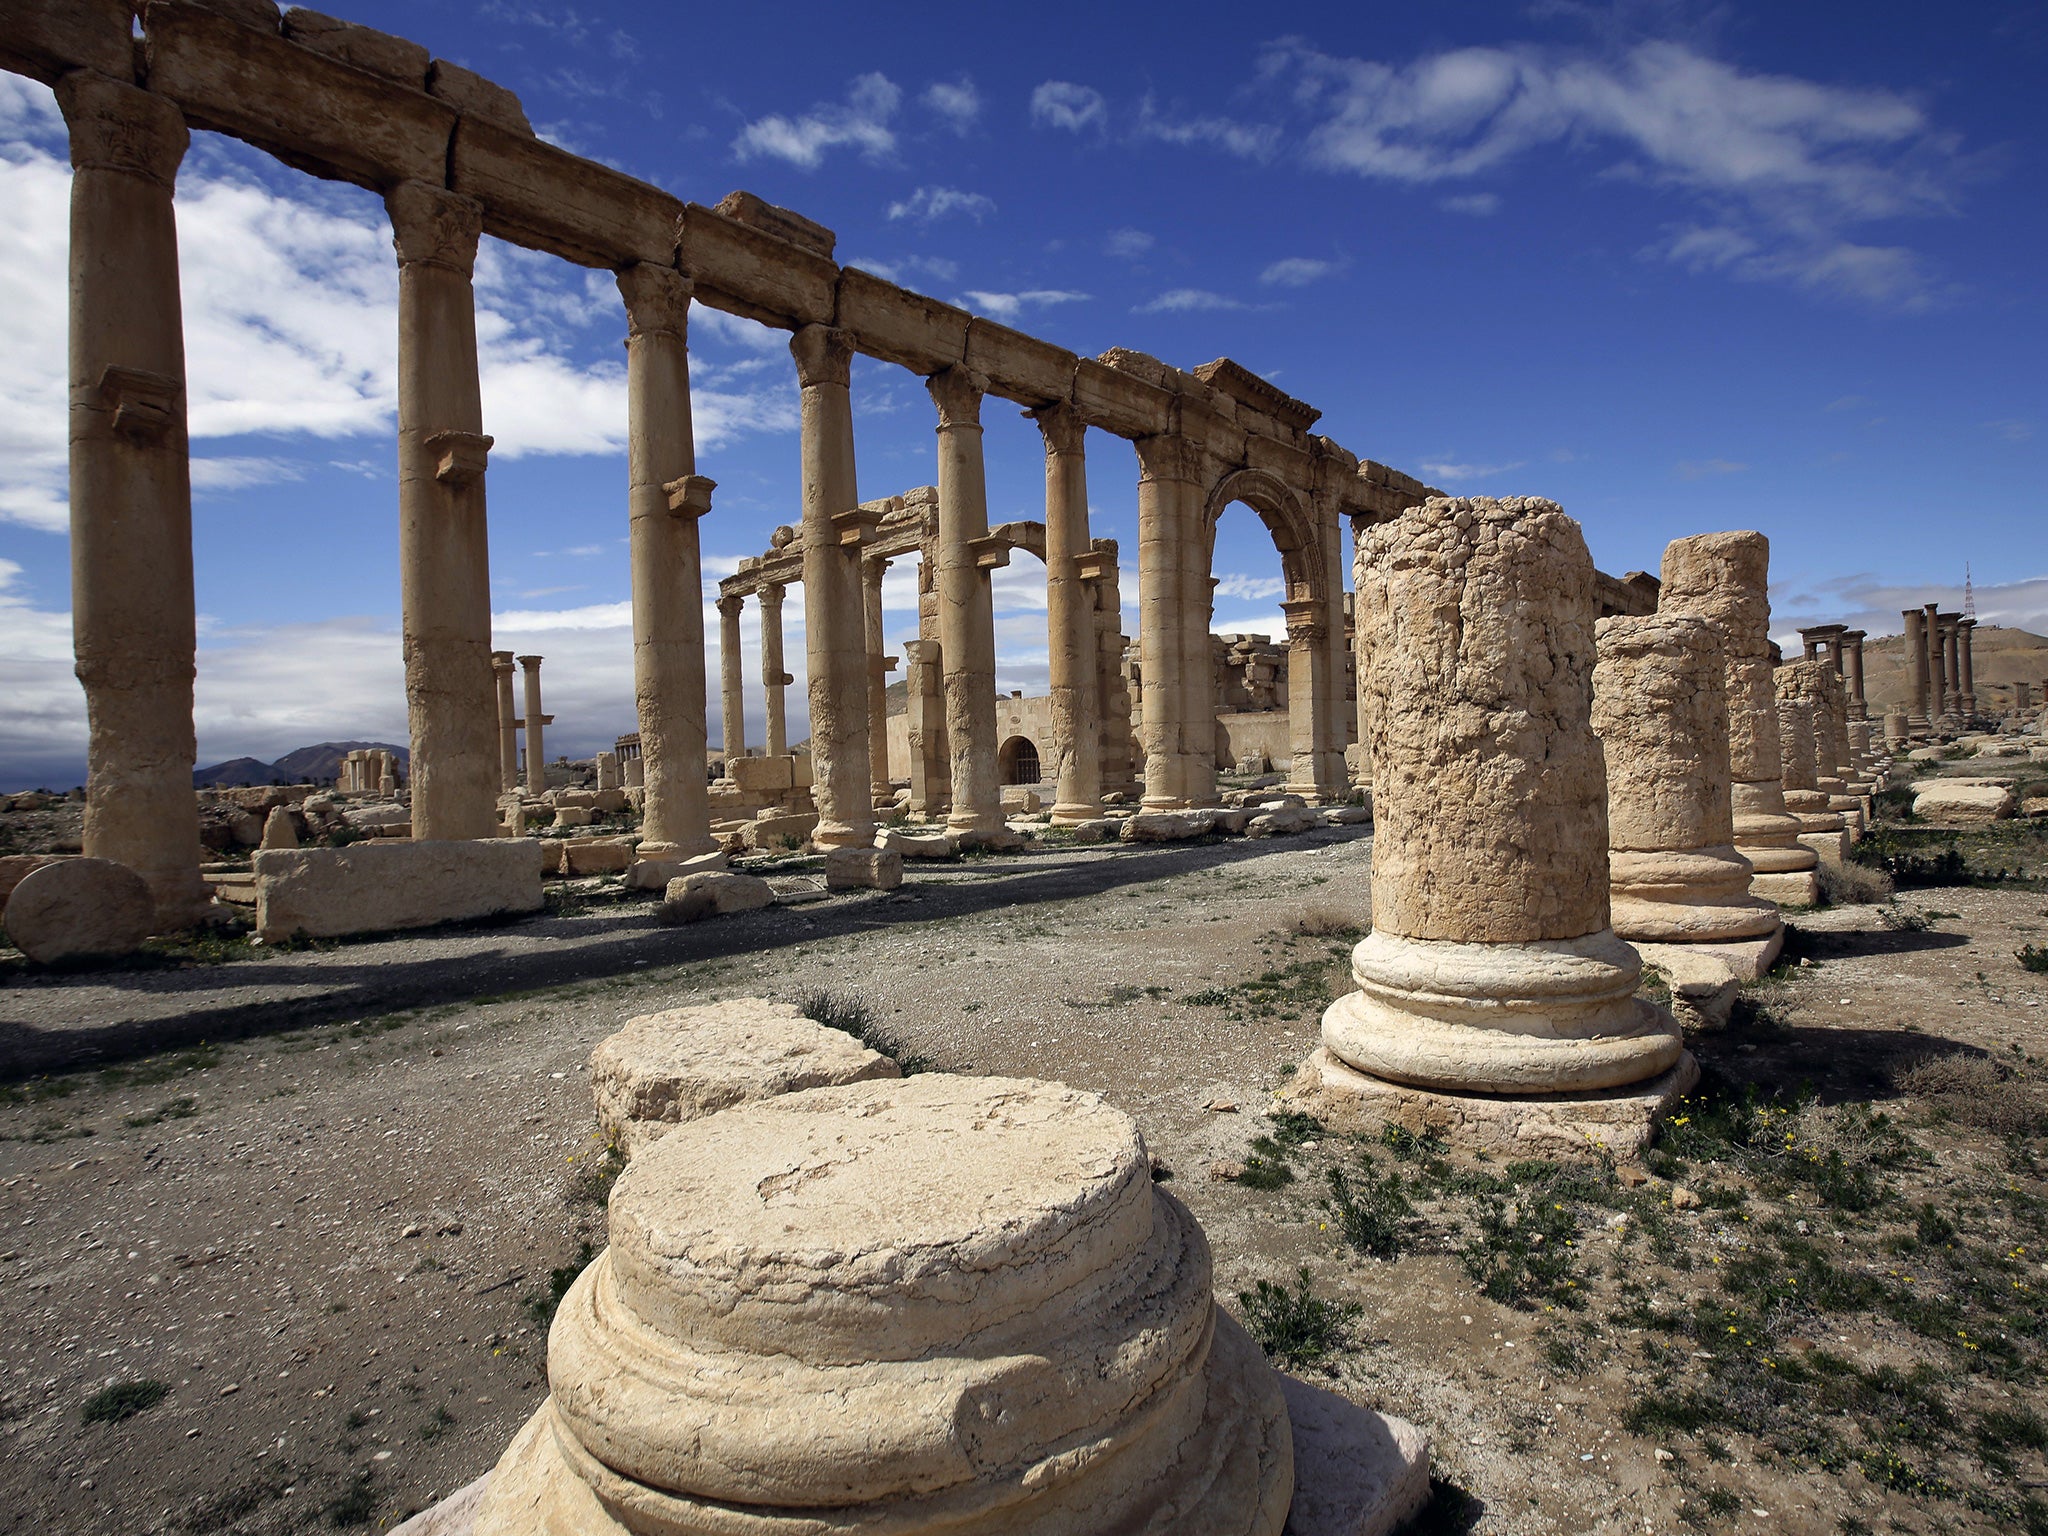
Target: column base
(837, 834)
(1538, 1017)
(1699, 895)
(1617, 1121)
(1073, 813)
(1788, 888)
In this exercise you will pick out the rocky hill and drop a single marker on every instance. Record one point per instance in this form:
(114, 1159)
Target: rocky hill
(303, 765)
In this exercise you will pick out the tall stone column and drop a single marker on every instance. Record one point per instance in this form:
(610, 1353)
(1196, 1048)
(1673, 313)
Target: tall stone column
(872, 569)
(930, 765)
(1859, 709)
(508, 722)
(1725, 577)
(967, 634)
(1200, 681)
(134, 626)
(1803, 750)
(536, 735)
(1492, 968)
(444, 555)
(1965, 628)
(1952, 689)
(1937, 671)
(1916, 662)
(1660, 706)
(835, 631)
(1070, 619)
(665, 499)
(1308, 682)
(774, 675)
(1168, 515)
(1112, 690)
(732, 687)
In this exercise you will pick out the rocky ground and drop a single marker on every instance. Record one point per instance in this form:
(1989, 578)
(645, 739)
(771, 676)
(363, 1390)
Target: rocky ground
(291, 1271)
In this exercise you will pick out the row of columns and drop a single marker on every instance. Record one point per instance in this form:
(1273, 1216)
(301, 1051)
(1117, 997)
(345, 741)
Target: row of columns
(1842, 647)
(1939, 647)
(511, 722)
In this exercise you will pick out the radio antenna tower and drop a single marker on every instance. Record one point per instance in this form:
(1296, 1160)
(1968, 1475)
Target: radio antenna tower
(1969, 594)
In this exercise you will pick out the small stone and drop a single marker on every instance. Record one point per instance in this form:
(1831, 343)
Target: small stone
(1683, 1199)
(1224, 1168)
(412, 1230)
(1664, 1455)
(1221, 1107)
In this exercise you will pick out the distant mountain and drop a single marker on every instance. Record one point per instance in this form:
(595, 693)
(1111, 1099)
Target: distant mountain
(304, 765)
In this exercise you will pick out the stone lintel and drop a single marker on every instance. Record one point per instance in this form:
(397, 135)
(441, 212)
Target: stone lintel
(746, 271)
(537, 195)
(1241, 384)
(46, 39)
(783, 223)
(1020, 368)
(899, 326)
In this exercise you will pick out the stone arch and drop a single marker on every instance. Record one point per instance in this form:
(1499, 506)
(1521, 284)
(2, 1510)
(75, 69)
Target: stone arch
(1018, 762)
(1287, 519)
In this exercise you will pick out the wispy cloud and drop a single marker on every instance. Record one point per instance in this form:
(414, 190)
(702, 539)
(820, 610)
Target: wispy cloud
(1063, 104)
(861, 122)
(1250, 588)
(1299, 272)
(1458, 471)
(1008, 306)
(958, 104)
(1187, 300)
(927, 205)
(239, 474)
(1478, 205)
(1129, 244)
(1707, 469)
(937, 268)
(2012, 429)
(1850, 403)
(1247, 141)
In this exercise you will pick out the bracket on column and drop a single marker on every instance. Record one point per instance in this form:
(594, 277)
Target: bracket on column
(787, 679)
(691, 495)
(1304, 618)
(461, 457)
(856, 526)
(144, 404)
(991, 551)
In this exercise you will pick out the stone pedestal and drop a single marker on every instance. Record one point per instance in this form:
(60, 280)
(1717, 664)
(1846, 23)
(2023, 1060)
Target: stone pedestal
(1660, 708)
(134, 627)
(1725, 577)
(1492, 970)
(938, 1304)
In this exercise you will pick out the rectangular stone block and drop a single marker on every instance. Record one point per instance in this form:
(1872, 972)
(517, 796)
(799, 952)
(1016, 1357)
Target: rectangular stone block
(475, 97)
(769, 834)
(47, 38)
(596, 856)
(542, 197)
(747, 272)
(1119, 403)
(761, 775)
(386, 886)
(1019, 367)
(899, 326)
(313, 112)
(395, 58)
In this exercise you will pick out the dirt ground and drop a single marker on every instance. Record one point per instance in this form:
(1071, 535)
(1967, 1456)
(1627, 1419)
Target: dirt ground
(329, 1217)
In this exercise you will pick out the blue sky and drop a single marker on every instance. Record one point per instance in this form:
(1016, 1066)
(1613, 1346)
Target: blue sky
(1677, 267)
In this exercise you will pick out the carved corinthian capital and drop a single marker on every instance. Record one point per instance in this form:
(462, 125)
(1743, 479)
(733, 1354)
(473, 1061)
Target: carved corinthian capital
(1169, 456)
(657, 300)
(433, 226)
(116, 127)
(957, 392)
(823, 356)
(1061, 426)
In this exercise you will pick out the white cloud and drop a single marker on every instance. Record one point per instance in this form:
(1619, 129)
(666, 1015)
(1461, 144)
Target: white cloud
(1127, 243)
(1452, 472)
(1185, 300)
(2012, 429)
(1298, 272)
(1247, 141)
(861, 122)
(1478, 205)
(959, 104)
(1008, 306)
(239, 474)
(1703, 469)
(928, 204)
(1063, 104)
(1250, 588)
(937, 268)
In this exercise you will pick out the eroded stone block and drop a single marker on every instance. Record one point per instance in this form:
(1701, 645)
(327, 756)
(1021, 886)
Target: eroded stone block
(70, 909)
(384, 886)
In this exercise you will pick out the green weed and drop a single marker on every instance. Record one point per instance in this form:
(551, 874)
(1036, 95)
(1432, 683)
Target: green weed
(1296, 1327)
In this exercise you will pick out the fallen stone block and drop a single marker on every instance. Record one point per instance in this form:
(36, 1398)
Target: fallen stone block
(1927, 754)
(1266, 800)
(579, 799)
(572, 816)
(1356, 1472)
(917, 845)
(15, 868)
(75, 908)
(608, 802)
(596, 856)
(652, 872)
(772, 834)
(1230, 820)
(1020, 801)
(371, 817)
(384, 886)
(1964, 800)
(995, 839)
(1100, 829)
(1346, 815)
(664, 1069)
(1283, 823)
(280, 829)
(713, 893)
(1167, 826)
(1703, 986)
(850, 869)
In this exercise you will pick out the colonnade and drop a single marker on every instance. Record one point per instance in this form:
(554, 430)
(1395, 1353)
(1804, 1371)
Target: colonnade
(1939, 650)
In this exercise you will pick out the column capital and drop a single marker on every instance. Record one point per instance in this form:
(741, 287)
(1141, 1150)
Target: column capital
(1305, 618)
(657, 300)
(1169, 456)
(771, 594)
(732, 604)
(501, 661)
(1061, 426)
(873, 567)
(531, 663)
(690, 496)
(120, 127)
(824, 355)
(957, 392)
(434, 227)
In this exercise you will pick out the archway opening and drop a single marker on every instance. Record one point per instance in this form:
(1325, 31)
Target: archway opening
(1017, 759)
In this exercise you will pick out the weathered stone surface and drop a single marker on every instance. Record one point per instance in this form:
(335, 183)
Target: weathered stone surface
(810, 1302)
(653, 873)
(596, 855)
(1284, 822)
(1347, 815)
(1703, 987)
(1166, 826)
(372, 816)
(1964, 800)
(395, 58)
(849, 869)
(386, 885)
(664, 1069)
(279, 829)
(573, 816)
(453, 1516)
(73, 908)
(14, 868)
(916, 845)
(1356, 1472)
(713, 893)
(772, 834)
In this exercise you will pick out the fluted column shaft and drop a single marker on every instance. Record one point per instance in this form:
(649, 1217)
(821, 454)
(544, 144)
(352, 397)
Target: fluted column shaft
(967, 636)
(774, 677)
(536, 734)
(732, 687)
(443, 547)
(134, 629)
(1169, 517)
(1070, 619)
(508, 722)
(835, 633)
(872, 570)
(665, 498)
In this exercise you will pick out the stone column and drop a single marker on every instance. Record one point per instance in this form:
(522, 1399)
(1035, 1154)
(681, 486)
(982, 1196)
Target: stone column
(1660, 707)
(835, 634)
(1112, 691)
(665, 499)
(930, 777)
(1859, 709)
(882, 793)
(1802, 738)
(1965, 627)
(967, 635)
(774, 677)
(1070, 619)
(508, 722)
(1952, 692)
(1491, 968)
(1724, 577)
(443, 547)
(732, 686)
(134, 628)
(1168, 515)
(536, 737)
(1307, 691)
(1916, 662)
(1937, 671)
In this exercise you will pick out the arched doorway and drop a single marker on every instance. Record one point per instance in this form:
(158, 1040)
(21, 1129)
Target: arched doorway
(1017, 759)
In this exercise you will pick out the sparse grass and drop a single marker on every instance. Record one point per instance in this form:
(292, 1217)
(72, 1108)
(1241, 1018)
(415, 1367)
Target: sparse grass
(438, 1424)
(123, 1400)
(1296, 1327)
(1327, 923)
(542, 1307)
(355, 1505)
(2032, 957)
(1370, 1217)
(856, 1016)
(172, 1109)
(592, 1183)
(1852, 884)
